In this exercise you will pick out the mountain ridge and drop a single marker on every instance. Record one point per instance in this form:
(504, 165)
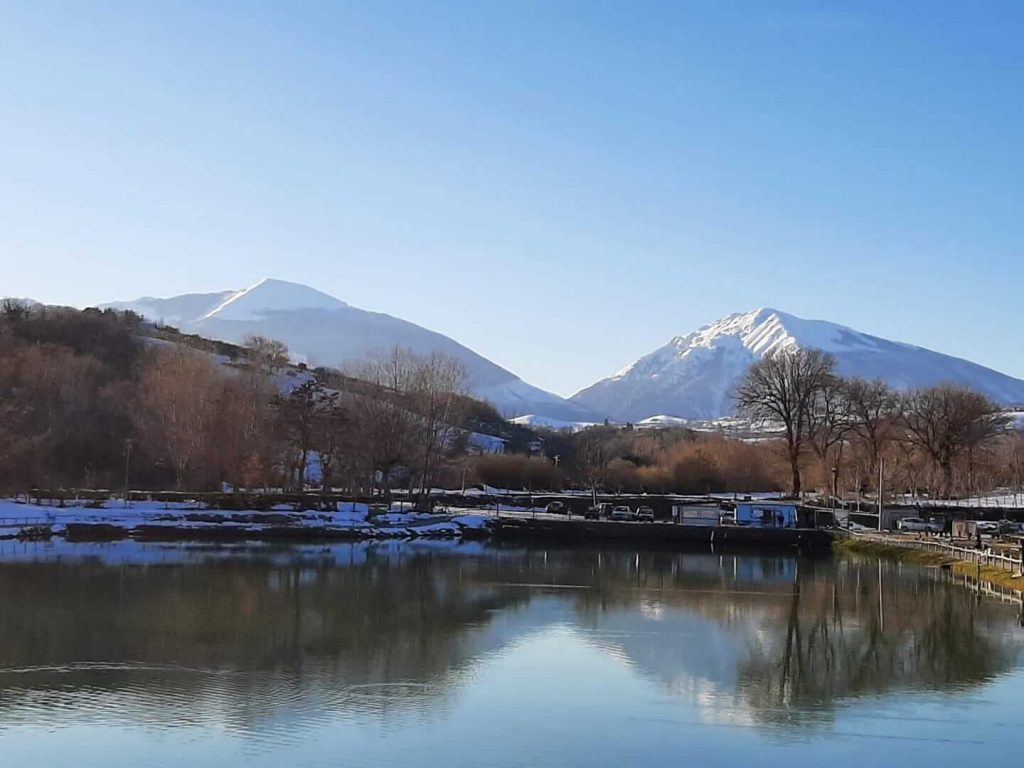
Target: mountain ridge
(320, 329)
(693, 375)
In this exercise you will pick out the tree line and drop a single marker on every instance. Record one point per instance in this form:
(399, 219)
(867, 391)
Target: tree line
(95, 399)
(943, 440)
(814, 429)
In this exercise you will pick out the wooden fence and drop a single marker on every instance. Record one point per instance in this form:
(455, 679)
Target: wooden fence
(970, 554)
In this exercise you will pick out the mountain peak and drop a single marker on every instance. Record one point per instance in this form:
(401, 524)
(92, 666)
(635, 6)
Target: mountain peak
(269, 296)
(694, 375)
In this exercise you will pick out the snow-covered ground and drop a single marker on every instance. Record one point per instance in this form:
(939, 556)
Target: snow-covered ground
(1001, 499)
(536, 420)
(351, 518)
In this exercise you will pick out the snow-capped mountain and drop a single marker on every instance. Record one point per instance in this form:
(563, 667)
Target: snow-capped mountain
(693, 376)
(322, 330)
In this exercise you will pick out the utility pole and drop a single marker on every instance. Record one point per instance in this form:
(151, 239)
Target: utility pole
(881, 464)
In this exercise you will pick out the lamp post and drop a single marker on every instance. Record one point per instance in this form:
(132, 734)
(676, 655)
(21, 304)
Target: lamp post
(127, 466)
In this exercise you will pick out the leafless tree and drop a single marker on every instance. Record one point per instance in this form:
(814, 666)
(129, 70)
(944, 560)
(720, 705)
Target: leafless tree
(267, 355)
(874, 409)
(438, 393)
(299, 415)
(179, 391)
(784, 386)
(333, 436)
(385, 424)
(829, 426)
(947, 421)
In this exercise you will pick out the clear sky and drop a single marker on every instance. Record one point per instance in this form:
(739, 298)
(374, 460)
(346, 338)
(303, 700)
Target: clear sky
(560, 186)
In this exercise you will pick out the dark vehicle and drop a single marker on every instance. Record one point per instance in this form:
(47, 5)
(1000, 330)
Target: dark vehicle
(557, 508)
(598, 512)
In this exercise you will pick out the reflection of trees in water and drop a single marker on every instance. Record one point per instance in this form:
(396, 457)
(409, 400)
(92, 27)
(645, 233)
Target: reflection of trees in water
(383, 633)
(871, 629)
(394, 630)
(816, 631)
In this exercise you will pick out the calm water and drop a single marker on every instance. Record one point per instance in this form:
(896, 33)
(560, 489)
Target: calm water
(150, 655)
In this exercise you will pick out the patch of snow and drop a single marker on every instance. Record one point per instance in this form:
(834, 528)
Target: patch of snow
(537, 420)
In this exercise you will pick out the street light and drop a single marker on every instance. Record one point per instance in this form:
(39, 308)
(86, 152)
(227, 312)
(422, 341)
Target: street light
(127, 466)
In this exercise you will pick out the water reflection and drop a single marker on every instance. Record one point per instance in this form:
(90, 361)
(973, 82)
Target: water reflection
(273, 641)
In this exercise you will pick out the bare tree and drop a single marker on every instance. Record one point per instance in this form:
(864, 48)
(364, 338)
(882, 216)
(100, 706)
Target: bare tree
(241, 444)
(874, 415)
(946, 421)
(783, 386)
(829, 425)
(438, 396)
(267, 355)
(332, 436)
(385, 424)
(594, 454)
(299, 415)
(179, 392)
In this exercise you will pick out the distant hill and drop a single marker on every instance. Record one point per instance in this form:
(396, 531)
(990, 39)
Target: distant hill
(322, 330)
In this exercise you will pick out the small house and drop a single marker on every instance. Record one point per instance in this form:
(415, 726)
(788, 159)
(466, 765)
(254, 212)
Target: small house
(766, 514)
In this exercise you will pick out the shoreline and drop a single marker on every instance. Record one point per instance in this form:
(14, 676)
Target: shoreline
(984, 573)
(353, 521)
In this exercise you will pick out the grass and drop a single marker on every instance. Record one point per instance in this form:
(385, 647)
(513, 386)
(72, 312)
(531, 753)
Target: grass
(988, 574)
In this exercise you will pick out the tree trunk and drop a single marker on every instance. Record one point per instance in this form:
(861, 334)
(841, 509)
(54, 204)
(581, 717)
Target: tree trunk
(794, 465)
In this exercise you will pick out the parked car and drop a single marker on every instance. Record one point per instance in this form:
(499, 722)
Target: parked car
(598, 512)
(918, 525)
(988, 528)
(622, 513)
(1009, 526)
(556, 508)
(645, 514)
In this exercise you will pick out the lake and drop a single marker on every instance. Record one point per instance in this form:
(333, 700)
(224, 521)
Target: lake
(443, 654)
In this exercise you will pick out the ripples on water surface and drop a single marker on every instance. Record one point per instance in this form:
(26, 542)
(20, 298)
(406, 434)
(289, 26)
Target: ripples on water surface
(464, 655)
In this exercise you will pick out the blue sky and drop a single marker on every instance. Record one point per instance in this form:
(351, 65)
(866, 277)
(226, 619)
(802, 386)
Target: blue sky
(560, 186)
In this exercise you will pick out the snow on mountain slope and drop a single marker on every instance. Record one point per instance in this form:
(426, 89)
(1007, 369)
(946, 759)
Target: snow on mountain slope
(322, 330)
(175, 311)
(693, 376)
(268, 297)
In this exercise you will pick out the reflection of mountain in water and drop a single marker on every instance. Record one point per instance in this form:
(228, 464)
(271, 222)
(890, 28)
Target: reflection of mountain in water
(278, 637)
